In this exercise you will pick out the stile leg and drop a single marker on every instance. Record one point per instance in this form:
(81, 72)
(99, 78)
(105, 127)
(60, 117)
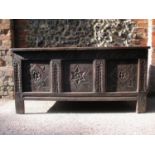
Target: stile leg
(19, 103)
(141, 105)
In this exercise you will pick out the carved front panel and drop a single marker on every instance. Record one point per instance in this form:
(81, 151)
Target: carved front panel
(122, 75)
(77, 76)
(36, 76)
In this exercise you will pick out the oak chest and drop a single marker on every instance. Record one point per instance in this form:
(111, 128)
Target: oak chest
(81, 74)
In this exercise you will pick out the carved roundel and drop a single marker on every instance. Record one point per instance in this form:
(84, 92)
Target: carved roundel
(36, 73)
(123, 75)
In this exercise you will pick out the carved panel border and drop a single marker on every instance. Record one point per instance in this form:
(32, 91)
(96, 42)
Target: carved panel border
(17, 75)
(55, 67)
(142, 63)
(99, 75)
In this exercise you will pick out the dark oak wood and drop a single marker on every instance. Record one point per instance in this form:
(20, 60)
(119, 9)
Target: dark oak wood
(19, 103)
(83, 98)
(81, 74)
(83, 94)
(141, 105)
(80, 48)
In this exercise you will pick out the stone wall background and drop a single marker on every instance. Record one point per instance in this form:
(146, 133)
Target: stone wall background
(6, 69)
(74, 32)
(64, 32)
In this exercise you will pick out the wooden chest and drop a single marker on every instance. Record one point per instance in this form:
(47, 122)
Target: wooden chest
(81, 74)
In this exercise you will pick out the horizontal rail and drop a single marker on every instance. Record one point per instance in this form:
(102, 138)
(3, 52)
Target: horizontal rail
(76, 94)
(78, 48)
(83, 98)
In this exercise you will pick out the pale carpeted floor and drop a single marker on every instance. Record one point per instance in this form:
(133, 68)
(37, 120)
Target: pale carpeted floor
(47, 117)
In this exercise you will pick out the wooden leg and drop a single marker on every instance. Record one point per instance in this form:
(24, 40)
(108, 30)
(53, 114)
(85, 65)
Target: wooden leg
(141, 102)
(19, 102)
